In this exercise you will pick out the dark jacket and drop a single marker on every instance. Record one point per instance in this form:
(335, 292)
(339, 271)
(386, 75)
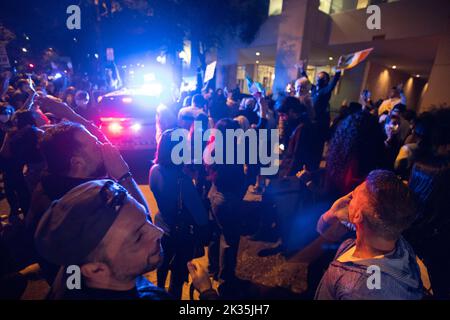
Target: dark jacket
(300, 151)
(321, 99)
(164, 183)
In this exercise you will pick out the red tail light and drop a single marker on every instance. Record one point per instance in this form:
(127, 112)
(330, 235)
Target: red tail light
(112, 119)
(117, 126)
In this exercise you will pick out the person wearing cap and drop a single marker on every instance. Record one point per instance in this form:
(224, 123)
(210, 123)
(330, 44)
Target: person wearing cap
(74, 156)
(101, 229)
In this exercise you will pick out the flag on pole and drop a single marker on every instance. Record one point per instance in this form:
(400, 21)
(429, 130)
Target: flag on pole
(249, 82)
(254, 87)
(209, 72)
(351, 60)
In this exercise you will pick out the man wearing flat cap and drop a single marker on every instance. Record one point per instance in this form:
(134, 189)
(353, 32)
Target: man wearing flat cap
(101, 229)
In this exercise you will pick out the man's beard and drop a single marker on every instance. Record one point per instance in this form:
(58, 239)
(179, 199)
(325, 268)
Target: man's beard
(126, 275)
(154, 265)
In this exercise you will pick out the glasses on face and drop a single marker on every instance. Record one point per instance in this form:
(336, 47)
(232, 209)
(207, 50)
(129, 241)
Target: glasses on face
(113, 195)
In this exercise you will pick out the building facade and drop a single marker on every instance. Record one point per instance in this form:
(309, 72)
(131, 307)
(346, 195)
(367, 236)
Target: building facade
(411, 47)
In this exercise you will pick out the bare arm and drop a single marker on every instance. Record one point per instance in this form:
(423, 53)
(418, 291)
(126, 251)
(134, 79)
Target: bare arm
(133, 188)
(301, 66)
(63, 111)
(117, 167)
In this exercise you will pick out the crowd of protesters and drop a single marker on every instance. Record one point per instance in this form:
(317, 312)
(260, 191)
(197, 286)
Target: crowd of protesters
(379, 171)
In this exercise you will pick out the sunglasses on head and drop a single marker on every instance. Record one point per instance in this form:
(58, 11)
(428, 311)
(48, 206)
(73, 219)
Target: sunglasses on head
(113, 195)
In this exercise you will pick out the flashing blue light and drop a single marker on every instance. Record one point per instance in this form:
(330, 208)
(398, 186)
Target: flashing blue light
(161, 59)
(149, 77)
(153, 89)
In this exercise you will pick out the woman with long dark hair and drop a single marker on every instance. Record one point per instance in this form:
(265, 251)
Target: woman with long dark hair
(181, 211)
(226, 196)
(355, 149)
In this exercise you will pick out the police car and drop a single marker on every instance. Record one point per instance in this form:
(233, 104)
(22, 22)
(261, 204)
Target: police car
(128, 119)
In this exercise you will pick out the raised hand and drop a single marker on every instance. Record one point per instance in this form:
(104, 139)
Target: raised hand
(301, 65)
(55, 106)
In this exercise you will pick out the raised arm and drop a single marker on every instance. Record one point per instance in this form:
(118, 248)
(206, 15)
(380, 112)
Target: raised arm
(402, 94)
(301, 67)
(118, 169)
(63, 111)
(334, 81)
(4, 82)
(330, 87)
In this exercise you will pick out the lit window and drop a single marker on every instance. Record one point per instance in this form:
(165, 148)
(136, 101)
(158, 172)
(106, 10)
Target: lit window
(325, 6)
(362, 4)
(275, 7)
